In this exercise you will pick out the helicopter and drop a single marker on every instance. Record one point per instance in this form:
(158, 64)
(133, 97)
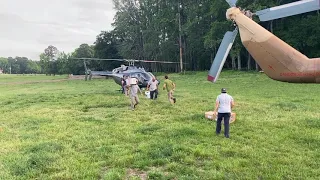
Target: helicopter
(131, 71)
(278, 60)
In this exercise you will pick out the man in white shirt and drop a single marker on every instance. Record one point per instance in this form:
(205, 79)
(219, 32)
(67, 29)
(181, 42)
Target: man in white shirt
(153, 88)
(225, 103)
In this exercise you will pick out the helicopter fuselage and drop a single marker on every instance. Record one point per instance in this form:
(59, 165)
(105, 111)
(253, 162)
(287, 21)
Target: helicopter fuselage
(143, 76)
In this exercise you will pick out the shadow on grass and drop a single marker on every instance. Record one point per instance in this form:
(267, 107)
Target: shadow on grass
(182, 132)
(31, 124)
(109, 105)
(34, 160)
(148, 129)
(307, 142)
(196, 117)
(91, 120)
(312, 123)
(289, 106)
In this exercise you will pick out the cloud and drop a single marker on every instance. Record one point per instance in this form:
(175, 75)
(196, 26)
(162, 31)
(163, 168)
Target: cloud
(97, 5)
(28, 27)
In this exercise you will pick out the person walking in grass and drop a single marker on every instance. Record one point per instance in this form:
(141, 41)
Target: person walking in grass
(153, 87)
(123, 85)
(127, 85)
(134, 88)
(224, 105)
(170, 87)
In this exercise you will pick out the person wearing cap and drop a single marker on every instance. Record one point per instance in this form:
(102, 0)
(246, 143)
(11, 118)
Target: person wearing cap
(134, 88)
(224, 104)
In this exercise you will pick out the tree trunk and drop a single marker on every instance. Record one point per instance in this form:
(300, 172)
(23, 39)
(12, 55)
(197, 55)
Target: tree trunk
(257, 66)
(233, 62)
(212, 55)
(239, 61)
(215, 53)
(249, 62)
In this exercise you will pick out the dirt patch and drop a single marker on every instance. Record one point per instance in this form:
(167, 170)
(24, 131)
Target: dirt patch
(136, 173)
(76, 77)
(82, 77)
(103, 172)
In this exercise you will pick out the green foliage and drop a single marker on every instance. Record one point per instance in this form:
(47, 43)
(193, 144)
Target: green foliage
(106, 47)
(4, 65)
(152, 29)
(19, 65)
(48, 60)
(85, 130)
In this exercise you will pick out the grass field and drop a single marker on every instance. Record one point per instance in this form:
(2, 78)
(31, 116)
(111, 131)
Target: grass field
(84, 130)
(27, 78)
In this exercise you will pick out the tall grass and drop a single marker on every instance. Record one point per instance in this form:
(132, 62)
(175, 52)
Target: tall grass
(85, 130)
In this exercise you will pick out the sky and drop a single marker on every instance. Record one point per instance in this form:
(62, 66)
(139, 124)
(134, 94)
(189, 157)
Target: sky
(27, 27)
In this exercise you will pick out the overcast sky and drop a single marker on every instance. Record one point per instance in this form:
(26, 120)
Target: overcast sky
(27, 27)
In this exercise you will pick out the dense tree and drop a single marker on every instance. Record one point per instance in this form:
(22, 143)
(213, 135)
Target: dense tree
(106, 47)
(19, 65)
(77, 66)
(44, 63)
(4, 65)
(157, 29)
(48, 60)
(62, 63)
(51, 52)
(33, 67)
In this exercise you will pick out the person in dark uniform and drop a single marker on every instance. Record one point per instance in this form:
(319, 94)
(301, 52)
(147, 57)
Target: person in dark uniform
(123, 84)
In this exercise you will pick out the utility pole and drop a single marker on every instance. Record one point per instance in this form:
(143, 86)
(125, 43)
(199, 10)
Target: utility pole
(180, 41)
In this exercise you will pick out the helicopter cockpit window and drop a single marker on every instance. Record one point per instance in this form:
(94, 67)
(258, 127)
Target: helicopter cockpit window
(143, 76)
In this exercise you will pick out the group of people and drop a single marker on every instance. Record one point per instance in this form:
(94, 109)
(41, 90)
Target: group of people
(132, 89)
(223, 107)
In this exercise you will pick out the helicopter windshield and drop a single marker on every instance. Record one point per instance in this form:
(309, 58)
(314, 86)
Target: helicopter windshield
(151, 74)
(120, 69)
(142, 76)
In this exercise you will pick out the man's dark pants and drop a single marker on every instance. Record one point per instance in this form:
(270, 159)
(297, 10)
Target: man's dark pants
(226, 117)
(154, 93)
(122, 89)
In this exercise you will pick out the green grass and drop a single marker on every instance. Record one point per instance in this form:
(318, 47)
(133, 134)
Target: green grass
(15, 78)
(85, 130)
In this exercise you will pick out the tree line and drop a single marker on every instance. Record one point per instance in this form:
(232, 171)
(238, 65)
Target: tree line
(162, 29)
(19, 65)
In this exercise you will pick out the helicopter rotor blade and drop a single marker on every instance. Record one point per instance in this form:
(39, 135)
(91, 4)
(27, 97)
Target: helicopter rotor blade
(289, 9)
(102, 73)
(100, 59)
(222, 54)
(165, 62)
(132, 60)
(232, 3)
(85, 66)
